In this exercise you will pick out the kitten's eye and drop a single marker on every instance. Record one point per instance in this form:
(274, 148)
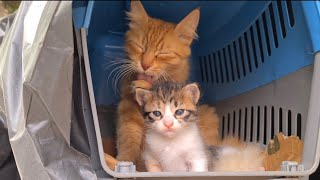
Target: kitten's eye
(156, 113)
(179, 112)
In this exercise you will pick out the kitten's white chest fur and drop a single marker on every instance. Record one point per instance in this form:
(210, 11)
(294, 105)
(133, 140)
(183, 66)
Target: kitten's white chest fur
(183, 152)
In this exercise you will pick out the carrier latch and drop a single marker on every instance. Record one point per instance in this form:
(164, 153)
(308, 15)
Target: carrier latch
(125, 167)
(291, 166)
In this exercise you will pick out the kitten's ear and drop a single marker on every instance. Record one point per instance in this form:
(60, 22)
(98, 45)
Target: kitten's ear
(193, 91)
(142, 95)
(186, 29)
(137, 13)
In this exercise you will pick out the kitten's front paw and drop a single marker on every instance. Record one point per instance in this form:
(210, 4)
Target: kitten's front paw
(199, 169)
(140, 84)
(199, 165)
(154, 168)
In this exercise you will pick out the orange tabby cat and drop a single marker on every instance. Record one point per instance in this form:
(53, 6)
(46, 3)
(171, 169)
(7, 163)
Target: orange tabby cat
(157, 51)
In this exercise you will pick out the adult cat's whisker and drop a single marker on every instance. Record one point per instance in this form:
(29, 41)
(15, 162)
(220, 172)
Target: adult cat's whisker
(114, 70)
(110, 64)
(169, 76)
(128, 73)
(163, 75)
(114, 58)
(122, 74)
(120, 60)
(117, 75)
(115, 62)
(160, 78)
(125, 71)
(116, 81)
(113, 82)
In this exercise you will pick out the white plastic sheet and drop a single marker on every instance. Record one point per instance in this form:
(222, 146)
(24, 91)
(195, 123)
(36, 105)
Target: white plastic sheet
(36, 94)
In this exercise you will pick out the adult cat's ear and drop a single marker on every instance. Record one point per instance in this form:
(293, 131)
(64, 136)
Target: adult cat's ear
(142, 95)
(137, 13)
(186, 29)
(192, 90)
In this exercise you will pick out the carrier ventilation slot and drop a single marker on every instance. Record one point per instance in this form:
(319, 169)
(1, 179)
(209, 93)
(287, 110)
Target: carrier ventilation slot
(260, 123)
(248, 52)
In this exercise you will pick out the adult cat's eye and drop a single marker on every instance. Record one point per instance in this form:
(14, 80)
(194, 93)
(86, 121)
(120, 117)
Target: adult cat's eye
(165, 55)
(141, 49)
(156, 113)
(137, 46)
(179, 112)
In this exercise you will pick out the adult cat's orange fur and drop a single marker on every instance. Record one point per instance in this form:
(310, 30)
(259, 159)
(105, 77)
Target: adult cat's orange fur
(157, 51)
(238, 155)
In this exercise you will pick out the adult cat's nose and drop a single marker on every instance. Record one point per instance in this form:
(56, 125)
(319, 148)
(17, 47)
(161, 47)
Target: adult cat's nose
(145, 66)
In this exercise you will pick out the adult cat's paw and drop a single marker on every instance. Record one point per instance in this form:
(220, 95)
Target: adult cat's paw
(140, 84)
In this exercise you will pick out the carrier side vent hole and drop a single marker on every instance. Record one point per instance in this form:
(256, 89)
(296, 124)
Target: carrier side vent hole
(260, 123)
(251, 49)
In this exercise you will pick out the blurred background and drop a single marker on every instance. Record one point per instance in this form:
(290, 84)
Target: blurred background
(8, 7)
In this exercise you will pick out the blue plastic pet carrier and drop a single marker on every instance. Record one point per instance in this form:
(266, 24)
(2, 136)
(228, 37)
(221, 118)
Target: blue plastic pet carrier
(256, 61)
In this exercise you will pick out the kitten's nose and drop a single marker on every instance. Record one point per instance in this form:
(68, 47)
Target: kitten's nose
(168, 123)
(145, 66)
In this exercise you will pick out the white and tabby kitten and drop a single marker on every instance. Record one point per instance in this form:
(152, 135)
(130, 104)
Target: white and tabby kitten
(172, 141)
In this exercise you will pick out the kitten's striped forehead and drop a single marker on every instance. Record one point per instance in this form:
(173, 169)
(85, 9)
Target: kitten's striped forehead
(167, 98)
(172, 93)
(168, 92)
